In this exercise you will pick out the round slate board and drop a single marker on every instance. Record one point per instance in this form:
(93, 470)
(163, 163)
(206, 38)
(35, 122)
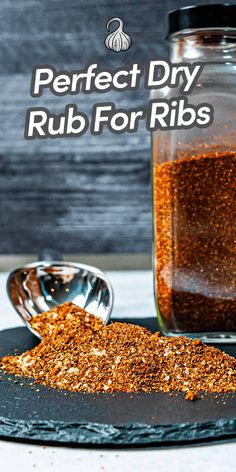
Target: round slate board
(53, 416)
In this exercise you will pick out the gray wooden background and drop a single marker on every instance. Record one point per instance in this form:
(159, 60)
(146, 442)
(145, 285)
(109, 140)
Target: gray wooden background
(79, 195)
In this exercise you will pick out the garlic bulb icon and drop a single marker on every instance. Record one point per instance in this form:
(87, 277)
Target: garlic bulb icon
(118, 40)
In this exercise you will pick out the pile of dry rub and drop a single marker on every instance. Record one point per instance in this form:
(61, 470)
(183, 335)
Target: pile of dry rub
(79, 353)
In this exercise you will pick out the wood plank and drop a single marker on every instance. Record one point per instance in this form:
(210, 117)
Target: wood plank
(65, 208)
(89, 194)
(67, 33)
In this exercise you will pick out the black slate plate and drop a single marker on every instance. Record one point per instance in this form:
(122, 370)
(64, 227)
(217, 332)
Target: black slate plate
(55, 416)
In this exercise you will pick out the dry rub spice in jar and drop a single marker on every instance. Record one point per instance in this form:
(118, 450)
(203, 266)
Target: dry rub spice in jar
(194, 186)
(195, 208)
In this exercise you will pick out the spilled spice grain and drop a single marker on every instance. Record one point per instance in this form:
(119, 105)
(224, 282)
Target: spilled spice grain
(190, 396)
(80, 354)
(195, 239)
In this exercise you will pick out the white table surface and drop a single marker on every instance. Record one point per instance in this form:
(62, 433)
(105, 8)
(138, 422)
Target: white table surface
(133, 297)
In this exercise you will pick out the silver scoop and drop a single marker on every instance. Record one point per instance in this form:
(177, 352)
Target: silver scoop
(43, 285)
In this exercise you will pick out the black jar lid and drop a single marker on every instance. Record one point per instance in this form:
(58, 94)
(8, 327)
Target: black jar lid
(202, 16)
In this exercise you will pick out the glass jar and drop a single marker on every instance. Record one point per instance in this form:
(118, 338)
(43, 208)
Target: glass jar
(194, 186)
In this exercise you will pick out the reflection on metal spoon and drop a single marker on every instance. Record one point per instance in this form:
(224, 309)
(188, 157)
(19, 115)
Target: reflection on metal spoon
(43, 285)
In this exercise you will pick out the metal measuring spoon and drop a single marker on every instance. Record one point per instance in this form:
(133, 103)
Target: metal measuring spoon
(43, 285)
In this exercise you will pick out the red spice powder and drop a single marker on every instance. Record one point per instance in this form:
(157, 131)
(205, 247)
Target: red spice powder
(195, 237)
(78, 353)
